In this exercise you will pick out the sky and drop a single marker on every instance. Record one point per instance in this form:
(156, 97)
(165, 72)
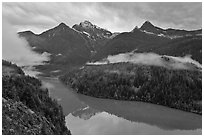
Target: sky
(116, 17)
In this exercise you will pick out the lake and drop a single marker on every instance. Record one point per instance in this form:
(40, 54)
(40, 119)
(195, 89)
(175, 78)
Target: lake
(89, 115)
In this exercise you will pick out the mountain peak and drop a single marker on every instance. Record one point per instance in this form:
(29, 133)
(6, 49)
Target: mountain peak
(86, 24)
(135, 29)
(147, 25)
(62, 25)
(28, 32)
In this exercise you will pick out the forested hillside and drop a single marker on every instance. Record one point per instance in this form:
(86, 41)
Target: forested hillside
(181, 89)
(27, 107)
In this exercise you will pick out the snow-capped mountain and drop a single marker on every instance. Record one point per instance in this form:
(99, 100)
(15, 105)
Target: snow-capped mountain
(96, 36)
(74, 46)
(92, 31)
(150, 38)
(149, 28)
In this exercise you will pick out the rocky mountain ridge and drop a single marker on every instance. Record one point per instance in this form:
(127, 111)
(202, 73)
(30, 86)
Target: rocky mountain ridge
(74, 46)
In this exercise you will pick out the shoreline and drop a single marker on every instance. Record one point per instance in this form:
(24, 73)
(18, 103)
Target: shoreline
(111, 98)
(143, 102)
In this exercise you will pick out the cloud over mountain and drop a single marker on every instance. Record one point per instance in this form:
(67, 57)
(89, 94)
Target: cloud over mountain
(16, 49)
(112, 16)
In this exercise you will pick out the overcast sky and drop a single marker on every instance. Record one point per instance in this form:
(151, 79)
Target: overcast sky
(116, 17)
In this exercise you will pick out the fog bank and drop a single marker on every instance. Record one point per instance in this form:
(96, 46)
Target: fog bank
(17, 50)
(153, 59)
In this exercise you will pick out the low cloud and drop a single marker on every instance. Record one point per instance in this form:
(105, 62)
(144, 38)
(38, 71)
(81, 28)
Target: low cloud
(17, 50)
(152, 59)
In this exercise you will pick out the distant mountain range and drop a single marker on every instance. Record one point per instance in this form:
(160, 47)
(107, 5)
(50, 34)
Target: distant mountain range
(87, 42)
(149, 38)
(149, 28)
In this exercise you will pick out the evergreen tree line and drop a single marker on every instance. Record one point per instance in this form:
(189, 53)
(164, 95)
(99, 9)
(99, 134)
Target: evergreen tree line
(181, 89)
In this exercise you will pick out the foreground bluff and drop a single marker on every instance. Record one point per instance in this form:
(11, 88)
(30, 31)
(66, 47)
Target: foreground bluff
(26, 107)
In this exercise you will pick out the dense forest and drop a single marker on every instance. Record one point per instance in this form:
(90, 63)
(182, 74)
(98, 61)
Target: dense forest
(16, 87)
(181, 89)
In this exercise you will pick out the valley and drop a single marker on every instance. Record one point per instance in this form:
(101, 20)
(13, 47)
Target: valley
(86, 115)
(145, 64)
(94, 81)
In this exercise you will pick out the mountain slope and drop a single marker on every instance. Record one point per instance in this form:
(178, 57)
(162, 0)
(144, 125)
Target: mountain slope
(66, 47)
(129, 41)
(148, 27)
(93, 31)
(149, 38)
(73, 47)
(97, 36)
(191, 45)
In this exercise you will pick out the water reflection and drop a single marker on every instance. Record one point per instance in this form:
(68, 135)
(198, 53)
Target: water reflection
(65, 96)
(107, 124)
(85, 113)
(151, 114)
(88, 115)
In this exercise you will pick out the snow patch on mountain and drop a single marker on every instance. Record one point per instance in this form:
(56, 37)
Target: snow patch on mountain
(114, 35)
(86, 24)
(76, 30)
(86, 33)
(92, 31)
(166, 36)
(148, 32)
(59, 54)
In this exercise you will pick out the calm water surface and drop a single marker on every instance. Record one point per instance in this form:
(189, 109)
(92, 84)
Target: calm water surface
(88, 115)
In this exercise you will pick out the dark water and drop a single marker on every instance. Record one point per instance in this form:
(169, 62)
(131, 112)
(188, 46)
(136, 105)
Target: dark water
(88, 115)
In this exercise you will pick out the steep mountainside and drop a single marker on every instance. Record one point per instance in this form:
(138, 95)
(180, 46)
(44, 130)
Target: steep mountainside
(63, 43)
(190, 45)
(27, 107)
(73, 47)
(149, 38)
(92, 31)
(147, 27)
(97, 36)
(129, 41)
(68, 47)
